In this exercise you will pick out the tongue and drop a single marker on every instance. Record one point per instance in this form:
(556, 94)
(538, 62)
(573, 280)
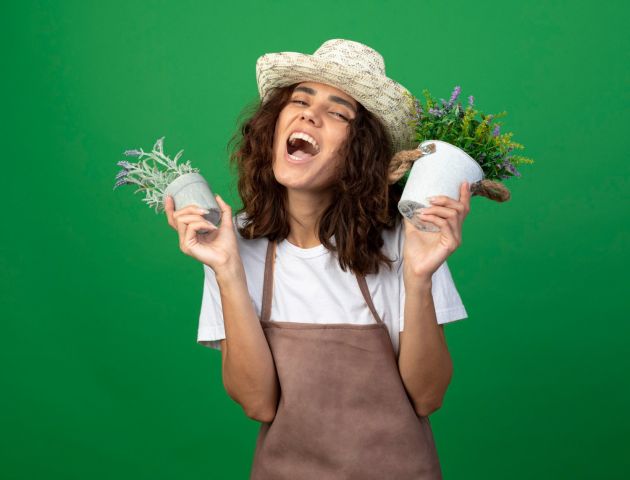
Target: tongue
(302, 155)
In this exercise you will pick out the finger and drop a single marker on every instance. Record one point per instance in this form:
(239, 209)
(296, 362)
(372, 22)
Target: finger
(438, 221)
(446, 227)
(453, 230)
(190, 209)
(168, 210)
(175, 217)
(464, 194)
(446, 201)
(450, 215)
(185, 216)
(226, 213)
(184, 220)
(172, 215)
(181, 228)
(188, 219)
(444, 212)
(194, 227)
(180, 223)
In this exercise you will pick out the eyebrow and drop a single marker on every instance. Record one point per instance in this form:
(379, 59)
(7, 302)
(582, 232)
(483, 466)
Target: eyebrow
(333, 98)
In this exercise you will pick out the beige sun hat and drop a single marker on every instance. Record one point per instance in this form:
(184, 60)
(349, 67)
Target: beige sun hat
(352, 67)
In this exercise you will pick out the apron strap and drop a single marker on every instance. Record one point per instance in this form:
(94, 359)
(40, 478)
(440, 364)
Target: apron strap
(268, 286)
(368, 298)
(268, 281)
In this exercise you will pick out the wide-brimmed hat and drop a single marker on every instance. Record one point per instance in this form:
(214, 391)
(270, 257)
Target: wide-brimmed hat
(352, 67)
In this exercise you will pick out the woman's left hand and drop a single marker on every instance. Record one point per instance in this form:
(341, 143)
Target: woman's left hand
(424, 252)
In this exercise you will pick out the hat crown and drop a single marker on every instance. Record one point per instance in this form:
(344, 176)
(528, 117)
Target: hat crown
(353, 54)
(352, 67)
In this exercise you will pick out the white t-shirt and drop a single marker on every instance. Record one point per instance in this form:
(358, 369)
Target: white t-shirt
(309, 286)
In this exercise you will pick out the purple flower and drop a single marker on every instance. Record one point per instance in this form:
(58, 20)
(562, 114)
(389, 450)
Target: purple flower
(120, 182)
(470, 100)
(418, 109)
(454, 95)
(133, 153)
(496, 130)
(435, 111)
(122, 174)
(124, 164)
(510, 168)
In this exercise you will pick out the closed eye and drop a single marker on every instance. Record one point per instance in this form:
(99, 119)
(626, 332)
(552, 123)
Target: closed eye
(334, 113)
(342, 116)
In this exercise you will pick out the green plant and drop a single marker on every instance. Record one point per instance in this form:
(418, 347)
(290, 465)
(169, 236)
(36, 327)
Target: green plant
(469, 129)
(152, 179)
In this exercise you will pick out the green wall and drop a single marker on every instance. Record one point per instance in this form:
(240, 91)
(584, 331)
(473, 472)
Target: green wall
(102, 377)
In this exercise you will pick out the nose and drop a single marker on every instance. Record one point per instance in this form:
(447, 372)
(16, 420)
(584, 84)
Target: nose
(309, 115)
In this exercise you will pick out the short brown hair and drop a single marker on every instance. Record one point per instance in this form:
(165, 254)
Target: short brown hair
(363, 205)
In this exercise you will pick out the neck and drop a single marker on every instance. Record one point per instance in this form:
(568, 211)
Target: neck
(305, 210)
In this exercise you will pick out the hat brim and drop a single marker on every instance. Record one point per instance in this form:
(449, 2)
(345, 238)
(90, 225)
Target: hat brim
(386, 99)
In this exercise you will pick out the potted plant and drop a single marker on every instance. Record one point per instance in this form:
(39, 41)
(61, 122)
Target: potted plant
(157, 175)
(457, 144)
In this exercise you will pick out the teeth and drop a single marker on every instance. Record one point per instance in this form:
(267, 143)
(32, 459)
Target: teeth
(306, 137)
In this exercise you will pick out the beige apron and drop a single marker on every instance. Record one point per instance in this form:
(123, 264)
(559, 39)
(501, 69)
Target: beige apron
(343, 411)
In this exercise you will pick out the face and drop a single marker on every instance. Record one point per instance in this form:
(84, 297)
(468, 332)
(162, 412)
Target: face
(323, 113)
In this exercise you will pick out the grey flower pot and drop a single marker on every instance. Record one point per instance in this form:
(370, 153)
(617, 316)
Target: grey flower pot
(437, 173)
(192, 189)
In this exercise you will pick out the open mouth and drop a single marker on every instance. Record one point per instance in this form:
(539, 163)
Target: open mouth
(300, 149)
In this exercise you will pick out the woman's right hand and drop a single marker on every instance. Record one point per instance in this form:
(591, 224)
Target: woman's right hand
(217, 248)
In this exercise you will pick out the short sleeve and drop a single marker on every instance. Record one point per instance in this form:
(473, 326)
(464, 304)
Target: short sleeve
(211, 327)
(446, 300)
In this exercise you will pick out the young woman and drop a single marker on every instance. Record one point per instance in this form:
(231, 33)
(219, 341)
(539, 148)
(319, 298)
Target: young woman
(307, 287)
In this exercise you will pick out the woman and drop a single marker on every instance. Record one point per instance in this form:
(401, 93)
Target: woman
(312, 339)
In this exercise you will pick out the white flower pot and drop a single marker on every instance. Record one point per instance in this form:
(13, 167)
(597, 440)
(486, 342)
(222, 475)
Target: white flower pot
(192, 189)
(439, 173)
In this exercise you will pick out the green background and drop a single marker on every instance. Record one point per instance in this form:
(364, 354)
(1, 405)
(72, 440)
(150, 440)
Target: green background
(102, 376)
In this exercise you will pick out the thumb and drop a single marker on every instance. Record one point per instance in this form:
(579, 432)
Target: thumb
(226, 212)
(464, 191)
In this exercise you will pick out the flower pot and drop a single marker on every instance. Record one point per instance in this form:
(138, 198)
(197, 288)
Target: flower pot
(192, 189)
(439, 173)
